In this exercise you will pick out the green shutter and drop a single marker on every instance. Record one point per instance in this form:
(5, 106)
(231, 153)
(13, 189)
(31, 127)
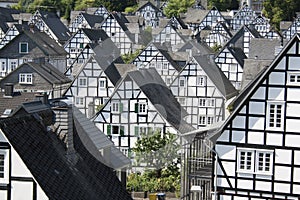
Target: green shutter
(136, 131)
(108, 129)
(136, 107)
(121, 107)
(129, 153)
(122, 130)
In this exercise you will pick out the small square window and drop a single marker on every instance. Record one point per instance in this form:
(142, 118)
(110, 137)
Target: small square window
(182, 82)
(201, 81)
(79, 101)
(23, 47)
(142, 108)
(102, 83)
(25, 78)
(82, 82)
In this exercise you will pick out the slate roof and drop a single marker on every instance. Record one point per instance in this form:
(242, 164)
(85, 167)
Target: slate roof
(15, 100)
(56, 25)
(262, 48)
(238, 54)
(249, 90)
(95, 34)
(152, 85)
(44, 43)
(6, 15)
(165, 52)
(97, 140)
(194, 16)
(143, 4)
(200, 48)
(46, 70)
(43, 154)
(93, 19)
(215, 74)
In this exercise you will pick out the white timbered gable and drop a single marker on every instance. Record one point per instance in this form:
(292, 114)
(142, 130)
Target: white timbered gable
(257, 148)
(92, 87)
(102, 11)
(293, 29)
(262, 25)
(169, 35)
(219, 35)
(243, 17)
(150, 13)
(118, 32)
(198, 94)
(211, 19)
(11, 33)
(130, 113)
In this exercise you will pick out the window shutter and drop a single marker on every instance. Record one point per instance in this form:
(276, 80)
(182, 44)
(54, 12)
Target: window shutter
(122, 130)
(136, 107)
(136, 131)
(108, 129)
(121, 107)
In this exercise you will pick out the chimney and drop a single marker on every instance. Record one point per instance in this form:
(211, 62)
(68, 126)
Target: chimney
(8, 89)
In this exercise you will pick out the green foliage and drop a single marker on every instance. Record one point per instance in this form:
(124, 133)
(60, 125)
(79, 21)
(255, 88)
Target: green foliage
(216, 48)
(168, 182)
(128, 57)
(223, 5)
(176, 7)
(131, 9)
(278, 10)
(156, 150)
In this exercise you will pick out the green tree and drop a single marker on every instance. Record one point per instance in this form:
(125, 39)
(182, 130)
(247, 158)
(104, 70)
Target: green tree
(176, 7)
(278, 10)
(223, 5)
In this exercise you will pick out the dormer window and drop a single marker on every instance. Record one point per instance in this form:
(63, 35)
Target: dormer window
(23, 47)
(25, 78)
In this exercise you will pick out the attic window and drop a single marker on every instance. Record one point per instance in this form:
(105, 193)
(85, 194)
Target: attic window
(25, 78)
(294, 78)
(4, 166)
(23, 47)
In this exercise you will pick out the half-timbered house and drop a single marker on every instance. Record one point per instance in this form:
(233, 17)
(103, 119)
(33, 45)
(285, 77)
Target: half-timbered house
(37, 77)
(93, 85)
(231, 57)
(12, 32)
(85, 20)
(257, 148)
(79, 41)
(219, 35)
(31, 46)
(202, 90)
(157, 56)
(6, 16)
(51, 24)
(102, 11)
(292, 29)
(115, 27)
(242, 17)
(150, 13)
(262, 25)
(141, 104)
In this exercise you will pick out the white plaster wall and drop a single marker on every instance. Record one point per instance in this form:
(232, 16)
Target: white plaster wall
(238, 136)
(293, 109)
(256, 107)
(281, 64)
(296, 175)
(277, 78)
(255, 137)
(292, 50)
(226, 151)
(292, 140)
(256, 123)
(297, 157)
(293, 94)
(282, 173)
(274, 139)
(22, 190)
(276, 94)
(282, 188)
(239, 122)
(283, 156)
(244, 184)
(224, 136)
(229, 168)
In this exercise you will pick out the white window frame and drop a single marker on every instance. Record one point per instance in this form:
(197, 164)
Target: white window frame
(296, 80)
(202, 120)
(115, 107)
(247, 167)
(13, 65)
(273, 115)
(5, 178)
(142, 108)
(262, 166)
(79, 101)
(256, 162)
(82, 84)
(201, 81)
(182, 79)
(20, 47)
(25, 78)
(102, 83)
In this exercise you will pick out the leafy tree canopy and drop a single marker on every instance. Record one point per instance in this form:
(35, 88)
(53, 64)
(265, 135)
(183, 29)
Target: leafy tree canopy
(223, 5)
(176, 7)
(278, 10)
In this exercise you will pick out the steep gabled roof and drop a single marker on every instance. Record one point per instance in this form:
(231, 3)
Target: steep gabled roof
(95, 34)
(6, 16)
(143, 4)
(56, 25)
(152, 85)
(252, 87)
(216, 75)
(60, 178)
(92, 20)
(46, 70)
(238, 54)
